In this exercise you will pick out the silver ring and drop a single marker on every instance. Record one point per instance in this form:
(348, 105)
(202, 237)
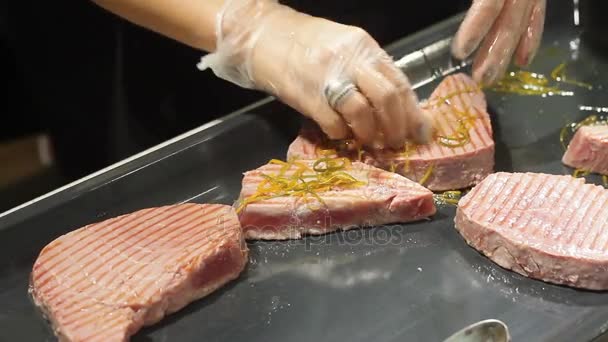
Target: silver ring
(336, 91)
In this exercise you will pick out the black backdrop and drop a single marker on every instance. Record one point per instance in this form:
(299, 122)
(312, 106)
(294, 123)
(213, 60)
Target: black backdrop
(106, 89)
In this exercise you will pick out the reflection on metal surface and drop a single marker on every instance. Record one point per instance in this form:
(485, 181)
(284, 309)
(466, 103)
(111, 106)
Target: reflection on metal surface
(139, 155)
(593, 109)
(328, 274)
(413, 58)
(199, 194)
(490, 330)
(576, 13)
(276, 305)
(430, 63)
(336, 272)
(575, 48)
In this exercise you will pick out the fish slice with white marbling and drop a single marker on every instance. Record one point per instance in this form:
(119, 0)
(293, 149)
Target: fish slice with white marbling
(380, 197)
(588, 149)
(105, 281)
(547, 227)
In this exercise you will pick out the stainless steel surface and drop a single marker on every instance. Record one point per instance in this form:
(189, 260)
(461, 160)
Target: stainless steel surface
(412, 282)
(490, 330)
(430, 63)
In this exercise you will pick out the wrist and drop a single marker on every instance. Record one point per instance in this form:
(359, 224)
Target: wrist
(238, 25)
(241, 27)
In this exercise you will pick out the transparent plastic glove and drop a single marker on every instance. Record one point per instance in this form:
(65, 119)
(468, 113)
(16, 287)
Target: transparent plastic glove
(505, 29)
(296, 57)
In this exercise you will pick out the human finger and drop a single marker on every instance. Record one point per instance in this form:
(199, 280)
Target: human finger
(358, 114)
(417, 124)
(530, 41)
(498, 47)
(385, 100)
(475, 26)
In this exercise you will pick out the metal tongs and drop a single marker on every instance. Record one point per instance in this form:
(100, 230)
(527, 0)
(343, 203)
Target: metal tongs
(490, 330)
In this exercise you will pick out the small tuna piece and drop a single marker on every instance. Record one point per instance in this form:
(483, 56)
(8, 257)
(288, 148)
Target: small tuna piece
(588, 149)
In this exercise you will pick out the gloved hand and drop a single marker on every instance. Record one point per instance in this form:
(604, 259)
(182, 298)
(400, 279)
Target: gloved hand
(308, 62)
(507, 27)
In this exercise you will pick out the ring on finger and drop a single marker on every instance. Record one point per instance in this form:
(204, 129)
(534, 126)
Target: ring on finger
(336, 91)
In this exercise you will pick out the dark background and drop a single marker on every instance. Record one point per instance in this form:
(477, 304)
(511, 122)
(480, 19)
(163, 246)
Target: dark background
(104, 89)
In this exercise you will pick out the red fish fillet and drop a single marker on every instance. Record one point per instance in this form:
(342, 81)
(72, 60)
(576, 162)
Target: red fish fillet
(384, 198)
(547, 227)
(105, 281)
(588, 149)
(441, 167)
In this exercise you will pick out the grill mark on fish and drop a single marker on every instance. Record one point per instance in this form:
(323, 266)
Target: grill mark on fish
(143, 264)
(602, 235)
(493, 179)
(556, 207)
(81, 242)
(557, 235)
(513, 200)
(581, 202)
(105, 247)
(479, 136)
(126, 244)
(517, 202)
(589, 243)
(106, 325)
(451, 129)
(540, 186)
(120, 272)
(490, 198)
(84, 303)
(510, 187)
(600, 231)
(81, 322)
(540, 195)
(459, 100)
(557, 187)
(561, 203)
(592, 210)
(81, 245)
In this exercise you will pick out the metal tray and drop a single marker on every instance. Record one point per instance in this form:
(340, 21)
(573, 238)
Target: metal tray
(414, 282)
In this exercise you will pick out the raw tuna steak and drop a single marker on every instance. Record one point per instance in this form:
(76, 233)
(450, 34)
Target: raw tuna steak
(547, 227)
(588, 149)
(353, 196)
(461, 154)
(105, 281)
